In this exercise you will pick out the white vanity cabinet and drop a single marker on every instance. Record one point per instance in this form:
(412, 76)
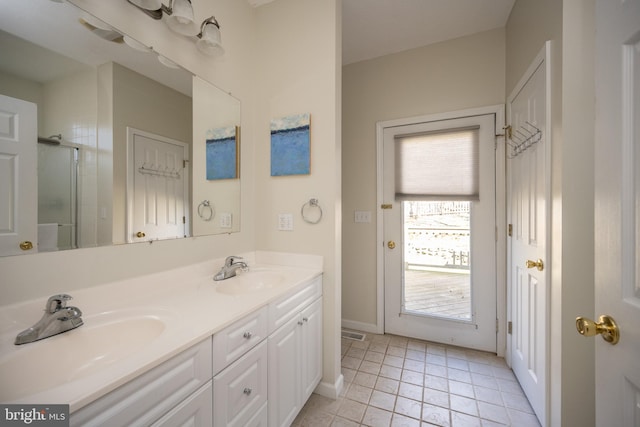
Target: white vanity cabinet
(295, 353)
(256, 372)
(147, 398)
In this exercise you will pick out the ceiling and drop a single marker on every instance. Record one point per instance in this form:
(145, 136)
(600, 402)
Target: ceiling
(373, 28)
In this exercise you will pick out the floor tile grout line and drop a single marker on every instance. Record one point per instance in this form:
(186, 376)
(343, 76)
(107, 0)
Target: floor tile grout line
(457, 363)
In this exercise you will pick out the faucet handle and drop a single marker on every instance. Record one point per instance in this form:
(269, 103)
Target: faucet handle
(231, 259)
(57, 302)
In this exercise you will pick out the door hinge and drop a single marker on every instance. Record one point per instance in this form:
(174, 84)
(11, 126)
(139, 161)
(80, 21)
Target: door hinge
(509, 327)
(184, 163)
(510, 230)
(497, 326)
(184, 219)
(507, 131)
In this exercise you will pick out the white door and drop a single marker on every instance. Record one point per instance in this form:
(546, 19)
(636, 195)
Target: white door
(440, 252)
(528, 207)
(617, 210)
(18, 176)
(157, 187)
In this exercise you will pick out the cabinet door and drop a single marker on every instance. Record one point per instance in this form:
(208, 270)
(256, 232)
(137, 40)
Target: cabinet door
(240, 390)
(311, 351)
(285, 373)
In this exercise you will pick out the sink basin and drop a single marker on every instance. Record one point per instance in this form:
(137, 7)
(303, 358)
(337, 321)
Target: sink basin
(251, 282)
(103, 340)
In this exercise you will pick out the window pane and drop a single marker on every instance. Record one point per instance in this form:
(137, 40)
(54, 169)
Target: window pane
(437, 247)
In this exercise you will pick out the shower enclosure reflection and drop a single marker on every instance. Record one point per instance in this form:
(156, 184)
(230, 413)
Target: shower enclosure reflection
(57, 196)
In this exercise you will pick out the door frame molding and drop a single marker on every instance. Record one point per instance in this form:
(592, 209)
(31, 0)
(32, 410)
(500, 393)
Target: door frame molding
(131, 132)
(500, 152)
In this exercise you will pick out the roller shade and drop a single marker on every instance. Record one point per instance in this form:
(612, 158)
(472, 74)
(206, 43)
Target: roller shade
(440, 165)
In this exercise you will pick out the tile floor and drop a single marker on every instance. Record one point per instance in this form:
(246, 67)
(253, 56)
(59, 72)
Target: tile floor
(396, 381)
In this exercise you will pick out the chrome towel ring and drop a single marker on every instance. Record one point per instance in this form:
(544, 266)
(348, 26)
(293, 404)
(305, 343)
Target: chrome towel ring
(205, 211)
(311, 205)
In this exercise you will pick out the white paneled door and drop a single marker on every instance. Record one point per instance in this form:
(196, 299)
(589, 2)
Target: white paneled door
(18, 176)
(157, 184)
(528, 208)
(617, 210)
(439, 250)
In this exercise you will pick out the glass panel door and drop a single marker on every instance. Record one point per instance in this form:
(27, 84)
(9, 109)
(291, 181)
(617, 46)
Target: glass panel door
(437, 265)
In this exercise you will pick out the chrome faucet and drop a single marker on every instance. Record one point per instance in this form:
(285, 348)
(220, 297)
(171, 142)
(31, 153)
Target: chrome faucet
(230, 267)
(57, 318)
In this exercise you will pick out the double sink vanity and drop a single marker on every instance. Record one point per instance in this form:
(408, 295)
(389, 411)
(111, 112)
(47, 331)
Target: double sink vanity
(178, 347)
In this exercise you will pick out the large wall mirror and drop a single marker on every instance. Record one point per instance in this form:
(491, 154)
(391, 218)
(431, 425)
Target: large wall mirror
(115, 143)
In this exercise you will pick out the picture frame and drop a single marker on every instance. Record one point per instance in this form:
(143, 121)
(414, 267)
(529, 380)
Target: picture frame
(222, 153)
(291, 145)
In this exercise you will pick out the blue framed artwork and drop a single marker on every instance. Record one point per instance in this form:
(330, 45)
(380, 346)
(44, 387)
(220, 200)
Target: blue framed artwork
(222, 153)
(291, 145)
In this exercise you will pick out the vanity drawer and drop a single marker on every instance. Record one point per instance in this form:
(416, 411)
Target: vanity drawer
(240, 391)
(287, 307)
(235, 340)
(145, 399)
(195, 410)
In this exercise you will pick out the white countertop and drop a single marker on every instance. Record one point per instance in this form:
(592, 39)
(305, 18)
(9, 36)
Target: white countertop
(183, 306)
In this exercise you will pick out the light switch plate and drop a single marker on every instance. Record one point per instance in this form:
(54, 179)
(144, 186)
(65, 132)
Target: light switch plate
(362, 216)
(285, 222)
(225, 220)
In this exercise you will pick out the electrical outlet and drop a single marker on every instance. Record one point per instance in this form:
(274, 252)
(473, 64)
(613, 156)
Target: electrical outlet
(285, 222)
(362, 216)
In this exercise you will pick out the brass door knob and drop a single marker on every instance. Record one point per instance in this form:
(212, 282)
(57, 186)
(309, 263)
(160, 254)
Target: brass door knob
(537, 264)
(140, 234)
(26, 245)
(606, 326)
(391, 244)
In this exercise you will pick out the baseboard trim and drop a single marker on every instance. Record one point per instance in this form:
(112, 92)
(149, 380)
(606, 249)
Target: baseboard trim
(371, 328)
(332, 391)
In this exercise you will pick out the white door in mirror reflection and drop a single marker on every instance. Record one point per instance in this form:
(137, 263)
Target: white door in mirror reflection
(157, 187)
(18, 185)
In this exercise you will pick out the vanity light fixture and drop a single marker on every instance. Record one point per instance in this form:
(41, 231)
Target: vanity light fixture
(167, 62)
(209, 39)
(179, 18)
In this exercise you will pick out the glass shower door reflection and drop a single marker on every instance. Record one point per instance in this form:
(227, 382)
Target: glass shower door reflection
(57, 197)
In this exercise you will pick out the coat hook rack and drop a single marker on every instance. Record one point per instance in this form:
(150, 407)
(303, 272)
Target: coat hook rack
(523, 138)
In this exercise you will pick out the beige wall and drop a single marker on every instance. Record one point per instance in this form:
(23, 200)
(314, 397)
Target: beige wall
(213, 109)
(463, 73)
(18, 87)
(298, 71)
(570, 26)
(577, 280)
